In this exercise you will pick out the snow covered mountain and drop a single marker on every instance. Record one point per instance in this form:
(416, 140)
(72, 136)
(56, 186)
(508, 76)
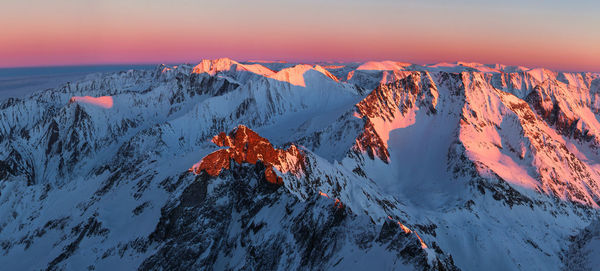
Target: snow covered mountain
(258, 165)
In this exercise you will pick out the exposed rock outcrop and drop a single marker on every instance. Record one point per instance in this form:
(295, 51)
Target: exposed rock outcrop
(246, 146)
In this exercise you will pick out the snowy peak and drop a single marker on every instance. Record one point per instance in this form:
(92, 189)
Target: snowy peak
(215, 66)
(296, 75)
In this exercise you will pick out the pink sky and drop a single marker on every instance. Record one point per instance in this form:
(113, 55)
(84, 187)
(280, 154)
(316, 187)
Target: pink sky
(556, 34)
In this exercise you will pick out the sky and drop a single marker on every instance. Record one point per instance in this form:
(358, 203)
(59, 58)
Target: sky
(557, 34)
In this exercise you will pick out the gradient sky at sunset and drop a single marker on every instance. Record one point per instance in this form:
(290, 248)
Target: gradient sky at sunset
(559, 34)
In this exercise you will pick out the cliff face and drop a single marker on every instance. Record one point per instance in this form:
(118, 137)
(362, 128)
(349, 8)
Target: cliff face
(390, 106)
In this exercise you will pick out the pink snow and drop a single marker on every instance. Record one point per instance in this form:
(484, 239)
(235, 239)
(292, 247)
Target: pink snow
(102, 101)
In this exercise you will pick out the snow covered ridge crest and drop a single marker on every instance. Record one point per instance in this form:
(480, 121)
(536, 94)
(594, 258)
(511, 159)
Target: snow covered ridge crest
(430, 163)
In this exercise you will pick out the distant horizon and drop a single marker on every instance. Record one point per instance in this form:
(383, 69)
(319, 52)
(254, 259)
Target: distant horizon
(85, 65)
(116, 64)
(553, 34)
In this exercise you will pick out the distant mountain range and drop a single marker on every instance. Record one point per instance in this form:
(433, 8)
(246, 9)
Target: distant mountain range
(20, 82)
(228, 165)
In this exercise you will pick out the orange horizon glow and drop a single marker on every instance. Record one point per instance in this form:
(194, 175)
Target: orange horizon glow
(65, 32)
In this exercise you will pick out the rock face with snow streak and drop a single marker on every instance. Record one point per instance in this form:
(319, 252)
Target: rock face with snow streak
(381, 165)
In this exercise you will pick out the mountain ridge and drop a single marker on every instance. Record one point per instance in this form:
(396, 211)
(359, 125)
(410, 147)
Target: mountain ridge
(450, 152)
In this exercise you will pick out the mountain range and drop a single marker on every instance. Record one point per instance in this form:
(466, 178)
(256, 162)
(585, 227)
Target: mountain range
(228, 165)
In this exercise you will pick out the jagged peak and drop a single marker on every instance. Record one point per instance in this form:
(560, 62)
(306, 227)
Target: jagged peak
(246, 146)
(163, 68)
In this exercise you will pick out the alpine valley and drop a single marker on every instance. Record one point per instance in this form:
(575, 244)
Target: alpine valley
(229, 165)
